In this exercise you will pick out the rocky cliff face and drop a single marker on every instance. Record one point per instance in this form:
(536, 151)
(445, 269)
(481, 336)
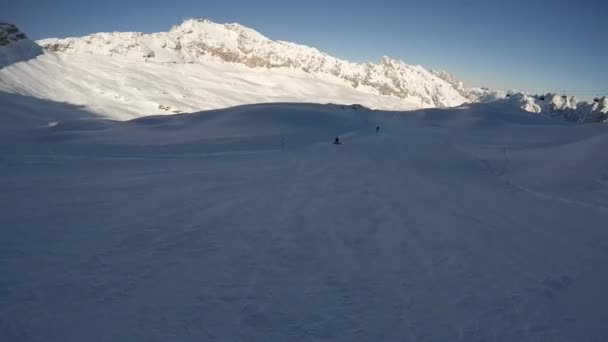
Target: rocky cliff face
(9, 33)
(195, 41)
(15, 45)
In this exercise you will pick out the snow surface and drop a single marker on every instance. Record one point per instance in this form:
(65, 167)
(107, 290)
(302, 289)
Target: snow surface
(478, 223)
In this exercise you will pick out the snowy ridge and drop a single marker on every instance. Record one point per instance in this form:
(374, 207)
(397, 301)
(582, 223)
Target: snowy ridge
(471, 94)
(197, 41)
(562, 106)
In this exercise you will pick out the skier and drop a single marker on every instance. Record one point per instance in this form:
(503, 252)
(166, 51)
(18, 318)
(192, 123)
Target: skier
(377, 129)
(337, 141)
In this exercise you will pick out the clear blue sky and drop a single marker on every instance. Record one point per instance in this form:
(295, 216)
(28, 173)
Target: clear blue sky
(513, 44)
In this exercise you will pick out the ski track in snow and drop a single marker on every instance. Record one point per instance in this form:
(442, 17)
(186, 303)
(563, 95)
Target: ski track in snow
(501, 174)
(557, 198)
(418, 233)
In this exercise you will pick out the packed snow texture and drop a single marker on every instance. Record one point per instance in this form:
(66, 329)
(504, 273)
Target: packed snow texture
(478, 223)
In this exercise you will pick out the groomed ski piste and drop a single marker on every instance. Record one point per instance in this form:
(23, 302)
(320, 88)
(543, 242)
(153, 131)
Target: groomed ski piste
(476, 223)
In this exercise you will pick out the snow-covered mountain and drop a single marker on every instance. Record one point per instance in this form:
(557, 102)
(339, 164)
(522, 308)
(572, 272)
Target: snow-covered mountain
(471, 94)
(475, 223)
(201, 65)
(562, 106)
(15, 46)
(553, 105)
(197, 41)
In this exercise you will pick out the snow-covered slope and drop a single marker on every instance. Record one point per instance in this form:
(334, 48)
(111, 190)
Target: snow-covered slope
(478, 223)
(120, 88)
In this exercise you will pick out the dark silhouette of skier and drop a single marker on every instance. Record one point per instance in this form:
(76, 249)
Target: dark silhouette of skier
(377, 129)
(337, 141)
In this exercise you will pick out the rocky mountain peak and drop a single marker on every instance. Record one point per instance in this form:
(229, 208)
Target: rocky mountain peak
(15, 46)
(9, 33)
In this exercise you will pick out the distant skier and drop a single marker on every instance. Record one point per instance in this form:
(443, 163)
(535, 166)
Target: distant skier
(377, 129)
(337, 141)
